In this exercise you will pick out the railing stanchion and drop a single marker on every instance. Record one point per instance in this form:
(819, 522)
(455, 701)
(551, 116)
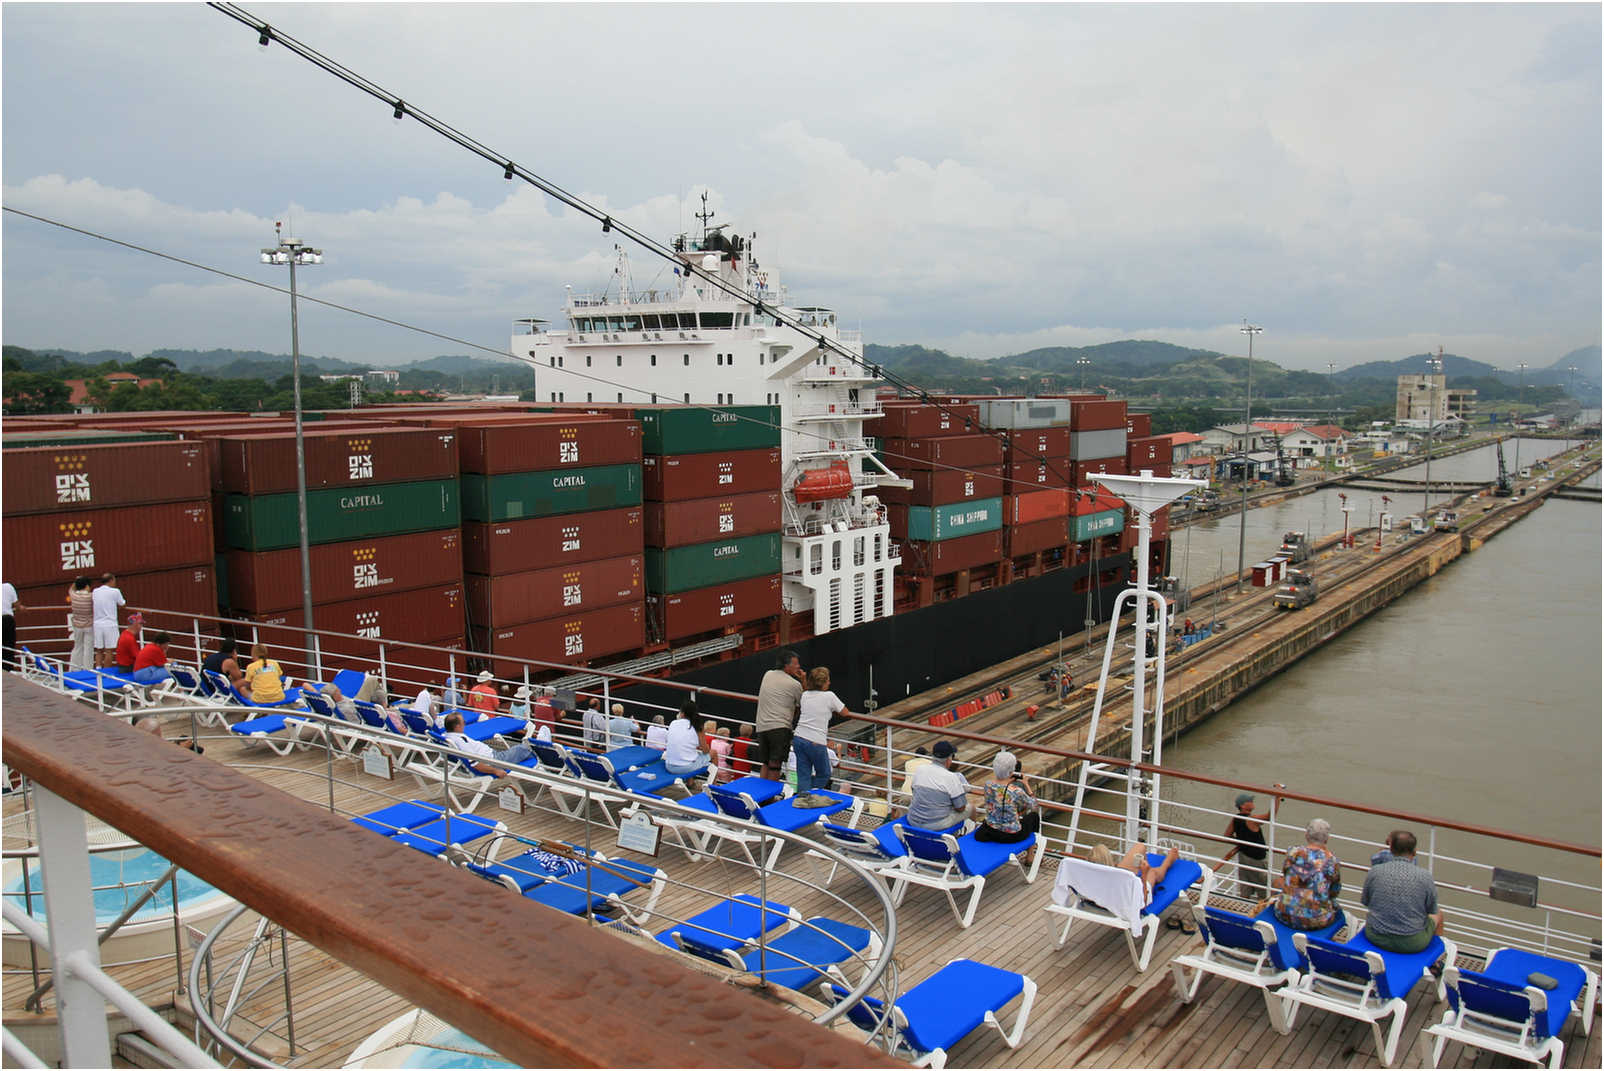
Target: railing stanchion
(289, 1008)
(891, 774)
(200, 658)
(384, 679)
(178, 945)
(70, 907)
(27, 903)
(328, 760)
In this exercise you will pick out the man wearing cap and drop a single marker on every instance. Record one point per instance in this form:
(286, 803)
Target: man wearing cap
(128, 643)
(940, 793)
(482, 696)
(1247, 842)
(451, 699)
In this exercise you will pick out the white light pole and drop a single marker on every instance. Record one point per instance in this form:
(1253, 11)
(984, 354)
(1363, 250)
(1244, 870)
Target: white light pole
(294, 252)
(1433, 369)
(1247, 424)
(1519, 397)
(1331, 379)
(1083, 362)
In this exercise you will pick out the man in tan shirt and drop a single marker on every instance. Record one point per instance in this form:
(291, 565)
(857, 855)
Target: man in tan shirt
(778, 698)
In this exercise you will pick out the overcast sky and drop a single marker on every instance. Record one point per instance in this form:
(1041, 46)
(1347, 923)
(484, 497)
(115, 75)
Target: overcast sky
(1364, 181)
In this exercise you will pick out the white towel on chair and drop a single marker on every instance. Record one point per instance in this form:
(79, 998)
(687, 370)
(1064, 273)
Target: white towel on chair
(1116, 890)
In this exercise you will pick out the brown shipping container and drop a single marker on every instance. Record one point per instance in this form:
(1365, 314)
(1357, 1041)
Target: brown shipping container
(535, 445)
(1149, 452)
(427, 615)
(266, 581)
(43, 548)
(1096, 416)
(173, 416)
(939, 487)
(676, 477)
(265, 464)
(53, 479)
(497, 601)
(567, 640)
(1035, 506)
(1084, 470)
(953, 451)
(1024, 474)
(951, 555)
(691, 613)
(702, 520)
(178, 595)
(406, 669)
(519, 546)
(1034, 444)
(912, 420)
(1161, 525)
(1138, 425)
(1029, 538)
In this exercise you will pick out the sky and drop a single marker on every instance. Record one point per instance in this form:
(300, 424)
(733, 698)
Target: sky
(1364, 181)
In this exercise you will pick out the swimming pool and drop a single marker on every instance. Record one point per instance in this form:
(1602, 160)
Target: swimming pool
(418, 1039)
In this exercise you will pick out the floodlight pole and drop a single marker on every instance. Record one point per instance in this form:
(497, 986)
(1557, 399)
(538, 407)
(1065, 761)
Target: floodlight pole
(1520, 397)
(1247, 425)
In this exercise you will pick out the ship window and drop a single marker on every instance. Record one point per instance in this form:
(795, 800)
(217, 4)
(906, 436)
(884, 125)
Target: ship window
(746, 319)
(729, 359)
(859, 545)
(718, 319)
(588, 397)
(687, 321)
(620, 360)
(816, 559)
(718, 358)
(687, 360)
(835, 555)
(562, 396)
(552, 361)
(554, 396)
(879, 548)
(587, 360)
(631, 323)
(760, 356)
(687, 398)
(620, 395)
(581, 323)
(654, 360)
(649, 322)
(559, 362)
(835, 603)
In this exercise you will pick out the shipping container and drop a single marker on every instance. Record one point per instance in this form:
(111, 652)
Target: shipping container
(1161, 525)
(701, 520)
(569, 639)
(148, 416)
(519, 546)
(336, 514)
(1103, 523)
(951, 555)
(515, 495)
(1022, 475)
(1024, 539)
(1036, 445)
(933, 524)
(933, 486)
(1097, 415)
(722, 606)
(1138, 425)
(44, 548)
(265, 464)
(496, 601)
(1034, 506)
(1153, 452)
(1024, 412)
(541, 443)
(29, 436)
(170, 598)
(952, 451)
(703, 429)
(420, 615)
(1104, 442)
(271, 580)
(678, 477)
(912, 420)
(702, 565)
(45, 480)
(1083, 471)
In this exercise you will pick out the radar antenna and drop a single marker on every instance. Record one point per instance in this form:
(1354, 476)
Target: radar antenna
(705, 215)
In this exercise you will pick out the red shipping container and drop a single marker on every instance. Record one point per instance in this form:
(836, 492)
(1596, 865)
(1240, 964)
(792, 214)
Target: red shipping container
(691, 613)
(1024, 539)
(171, 600)
(1096, 416)
(1022, 475)
(1084, 470)
(1034, 506)
(406, 668)
(427, 615)
(265, 464)
(1161, 524)
(496, 601)
(914, 420)
(940, 487)
(702, 520)
(951, 555)
(677, 477)
(1034, 444)
(138, 417)
(1153, 452)
(55, 479)
(519, 546)
(260, 583)
(534, 444)
(567, 640)
(1138, 425)
(43, 548)
(1087, 504)
(953, 451)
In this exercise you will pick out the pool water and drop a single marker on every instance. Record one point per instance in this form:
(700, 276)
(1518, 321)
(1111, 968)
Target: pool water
(451, 1040)
(119, 878)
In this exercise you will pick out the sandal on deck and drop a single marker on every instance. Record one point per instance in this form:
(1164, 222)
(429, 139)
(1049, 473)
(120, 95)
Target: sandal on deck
(1172, 923)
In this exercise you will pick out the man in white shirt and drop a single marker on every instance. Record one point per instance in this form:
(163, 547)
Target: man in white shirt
(106, 599)
(683, 755)
(657, 734)
(511, 756)
(9, 605)
(940, 793)
(595, 726)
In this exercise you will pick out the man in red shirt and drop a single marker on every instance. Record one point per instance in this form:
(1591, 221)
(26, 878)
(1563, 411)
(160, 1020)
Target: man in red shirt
(128, 643)
(741, 750)
(482, 696)
(541, 712)
(150, 664)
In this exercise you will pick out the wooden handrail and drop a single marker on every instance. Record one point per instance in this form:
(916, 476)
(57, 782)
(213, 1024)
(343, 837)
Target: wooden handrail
(535, 985)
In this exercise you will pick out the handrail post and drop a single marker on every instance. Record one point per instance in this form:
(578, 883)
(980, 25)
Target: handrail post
(27, 903)
(178, 945)
(328, 759)
(289, 1008)
(891, 776)
(69, 905)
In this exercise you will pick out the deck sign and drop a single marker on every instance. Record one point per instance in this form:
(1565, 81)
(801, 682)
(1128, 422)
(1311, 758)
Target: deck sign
(638, 833)
(375, 763)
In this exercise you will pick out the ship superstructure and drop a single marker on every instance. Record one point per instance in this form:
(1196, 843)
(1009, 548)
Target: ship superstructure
(695, 342)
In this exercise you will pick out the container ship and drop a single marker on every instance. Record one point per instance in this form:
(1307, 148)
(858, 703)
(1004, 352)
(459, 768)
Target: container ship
(707, 473)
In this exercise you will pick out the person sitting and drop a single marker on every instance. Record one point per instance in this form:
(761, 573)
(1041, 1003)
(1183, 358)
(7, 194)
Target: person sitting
(719, 748)
(128, 643)
(224, 663)
(940, 793)
(541, 712)
(450, 698)
(1136, 862)
(520, 703)
(1010, 808)
(1402, 899)
(1386, 853)
(482, 696)
(1311, 878)
(511, 756)
(657, 734)
(681, 755)
(741, 750)
(343, 705)
(621, 729)
(426, 705)
(150, 723)
(150, 665)
(265, 676)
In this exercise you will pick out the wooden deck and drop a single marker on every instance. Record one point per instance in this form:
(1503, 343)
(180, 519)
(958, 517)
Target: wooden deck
(1093, 1008)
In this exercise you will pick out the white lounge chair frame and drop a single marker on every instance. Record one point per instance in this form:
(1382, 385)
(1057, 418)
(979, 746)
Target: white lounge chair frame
(1256, 969)
(1090, 911)
(1504, 1036)
(911, 870)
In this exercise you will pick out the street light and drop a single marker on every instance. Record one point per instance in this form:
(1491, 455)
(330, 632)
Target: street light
(1083, 362)
(1520, 397)
(1247, 424)
(294, 252)
(1433, 369)
(1331, 380)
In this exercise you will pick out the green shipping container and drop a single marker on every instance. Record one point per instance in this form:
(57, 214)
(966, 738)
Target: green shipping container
(268, 522)
(932, 524)
(516, 495)
(84, 437)
(703, 430)
(1093, 525)
(702, 565)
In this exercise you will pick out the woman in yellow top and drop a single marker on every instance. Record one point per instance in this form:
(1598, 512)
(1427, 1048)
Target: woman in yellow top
(265, 676)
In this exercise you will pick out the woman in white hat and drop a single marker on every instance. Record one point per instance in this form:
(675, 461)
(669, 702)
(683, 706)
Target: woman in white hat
(520, 703)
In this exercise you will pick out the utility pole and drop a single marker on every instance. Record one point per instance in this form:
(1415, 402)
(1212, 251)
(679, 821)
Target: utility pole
(1521, 398)
(1247, 424)
(1433, 370)
(1083, 362)
(1331, 377)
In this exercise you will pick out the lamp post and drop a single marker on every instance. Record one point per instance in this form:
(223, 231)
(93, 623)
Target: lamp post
(294, 252)
(1433, 368)
(1247, 424)
(1331, 379)
(1083, 362)
(1520, 396)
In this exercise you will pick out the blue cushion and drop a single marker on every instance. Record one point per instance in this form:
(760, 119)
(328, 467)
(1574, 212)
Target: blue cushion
(728, 925)
(432, 839)
(484, 730)
(981, 857)
(567, 893)
(886, 834)
(1181, 875)
(795, 960)
(627, 758)
(272, 723)
(388, 820)
(761, 789)
(784, 815)
(1284, 953)
(1508, 969)
(650, 779)
(731, 803)
(944, 1008)
(699, 802)
(1401, 972)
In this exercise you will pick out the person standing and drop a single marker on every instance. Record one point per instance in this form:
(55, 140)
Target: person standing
(107, 599)
(482, 696)
(81, 619)
(817, 706)
(9, 605)
(779, 697)
(1247, 843)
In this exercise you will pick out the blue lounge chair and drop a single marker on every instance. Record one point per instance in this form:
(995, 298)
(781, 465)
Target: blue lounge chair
(430, 770)
(1077, 878)
(1500, 1008)
(780, 815)
(802, 957)
(949, 863)
(1360, 981)
(733, 924)
(435, 837)
(602, 884)
(55, 675)
(651, 780)
(945, 1008)
(399, 816)
(1257, 951)
(873, 849)
(292, 696)
(524, 871)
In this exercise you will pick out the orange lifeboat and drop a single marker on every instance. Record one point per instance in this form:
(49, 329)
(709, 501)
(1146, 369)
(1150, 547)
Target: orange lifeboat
(817, 485)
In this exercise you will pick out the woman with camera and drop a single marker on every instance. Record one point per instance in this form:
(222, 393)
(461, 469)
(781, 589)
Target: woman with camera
(1010, 808)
